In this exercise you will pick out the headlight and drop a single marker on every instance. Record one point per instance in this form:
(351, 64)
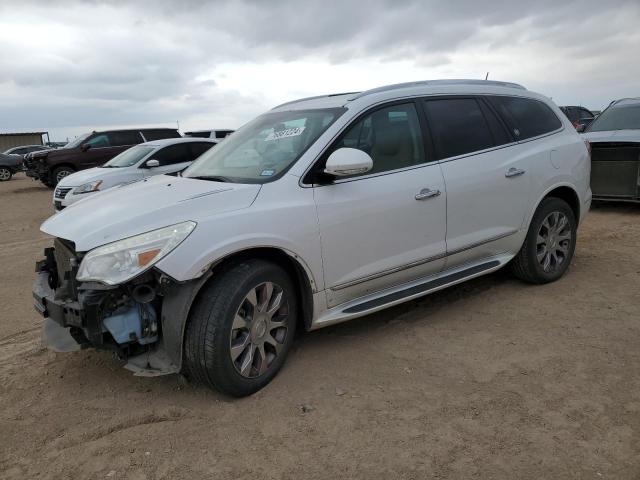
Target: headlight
(120, 261)
(88, 187)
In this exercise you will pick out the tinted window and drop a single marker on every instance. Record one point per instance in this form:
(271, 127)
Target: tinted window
(198, 149)
(173, 154)
(205, 134)
(159, 134)
(390, 135)
(617, 117)
(458, 126)
(584, 113)
(99, 141)
(121, 139)
(527, 117)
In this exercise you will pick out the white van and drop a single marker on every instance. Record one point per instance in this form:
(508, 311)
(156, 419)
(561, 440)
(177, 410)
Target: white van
(316, 212)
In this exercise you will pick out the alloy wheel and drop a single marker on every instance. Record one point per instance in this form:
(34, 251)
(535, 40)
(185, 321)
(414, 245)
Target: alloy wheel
(259, 330)
(5, 174)
(61, 174)
(553, 242)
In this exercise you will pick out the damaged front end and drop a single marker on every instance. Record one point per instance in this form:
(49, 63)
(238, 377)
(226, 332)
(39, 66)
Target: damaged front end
(125, 318)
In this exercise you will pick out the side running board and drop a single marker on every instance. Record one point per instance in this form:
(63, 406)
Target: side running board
(416, 290)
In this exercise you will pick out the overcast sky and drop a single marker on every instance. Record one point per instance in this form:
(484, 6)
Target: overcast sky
(72, 66)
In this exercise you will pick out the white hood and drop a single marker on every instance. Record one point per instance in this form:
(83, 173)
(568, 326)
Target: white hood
(109, 176)
(613, 136)
(152, 203)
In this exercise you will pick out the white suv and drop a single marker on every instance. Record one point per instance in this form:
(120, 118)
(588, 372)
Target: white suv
(319, 211)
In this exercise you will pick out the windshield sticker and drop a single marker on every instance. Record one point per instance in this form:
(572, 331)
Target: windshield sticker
(289, 132)
(267, 173)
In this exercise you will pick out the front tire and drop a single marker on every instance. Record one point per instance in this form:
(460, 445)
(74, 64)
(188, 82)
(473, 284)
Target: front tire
(241, 328)
(5, 174)
(550, 243)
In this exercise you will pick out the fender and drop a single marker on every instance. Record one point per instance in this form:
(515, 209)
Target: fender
(179, 297)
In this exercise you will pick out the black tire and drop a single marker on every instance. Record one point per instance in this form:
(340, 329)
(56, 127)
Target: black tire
(58, 174)
(208, 337)
(5, 174)
(526, 265)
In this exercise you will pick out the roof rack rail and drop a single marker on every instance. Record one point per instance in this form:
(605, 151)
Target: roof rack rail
(313, 98)
(455, 81)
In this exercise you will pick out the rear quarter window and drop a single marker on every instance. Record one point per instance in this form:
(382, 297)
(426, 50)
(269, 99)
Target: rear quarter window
(527, 117)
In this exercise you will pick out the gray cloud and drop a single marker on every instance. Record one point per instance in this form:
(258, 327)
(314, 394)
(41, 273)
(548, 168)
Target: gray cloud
(118, 62)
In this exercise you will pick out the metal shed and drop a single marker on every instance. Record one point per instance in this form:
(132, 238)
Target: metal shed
(9, 140)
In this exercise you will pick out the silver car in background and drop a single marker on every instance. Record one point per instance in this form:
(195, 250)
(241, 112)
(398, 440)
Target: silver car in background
(157, 157)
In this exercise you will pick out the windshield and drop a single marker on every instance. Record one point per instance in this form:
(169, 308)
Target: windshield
(265, 147)
(621, 117)
(129, 157)
(77, 141)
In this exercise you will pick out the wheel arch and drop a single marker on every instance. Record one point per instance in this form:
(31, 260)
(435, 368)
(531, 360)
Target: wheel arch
(180, 298)
(566, 193)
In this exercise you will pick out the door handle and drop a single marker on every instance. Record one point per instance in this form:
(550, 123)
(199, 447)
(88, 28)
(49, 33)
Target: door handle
(514, 172)
(427, 193)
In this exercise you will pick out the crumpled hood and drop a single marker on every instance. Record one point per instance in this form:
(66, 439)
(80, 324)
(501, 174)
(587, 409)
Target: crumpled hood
(613, 136)
(156, 202)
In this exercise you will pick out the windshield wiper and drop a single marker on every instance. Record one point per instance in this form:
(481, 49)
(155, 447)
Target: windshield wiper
(213, 178)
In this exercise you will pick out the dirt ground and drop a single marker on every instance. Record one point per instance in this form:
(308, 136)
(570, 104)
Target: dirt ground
(489, 379)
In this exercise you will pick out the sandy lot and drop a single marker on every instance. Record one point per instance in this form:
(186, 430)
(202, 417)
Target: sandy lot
(490, 379)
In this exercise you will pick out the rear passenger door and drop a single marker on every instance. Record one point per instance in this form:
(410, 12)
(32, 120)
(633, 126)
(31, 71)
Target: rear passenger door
(485, 174)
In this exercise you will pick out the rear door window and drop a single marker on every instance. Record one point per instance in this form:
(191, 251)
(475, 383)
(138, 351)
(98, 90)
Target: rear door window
(125, 138)
(198, 148)
(458, 126)
(527, 117)
(173, 154)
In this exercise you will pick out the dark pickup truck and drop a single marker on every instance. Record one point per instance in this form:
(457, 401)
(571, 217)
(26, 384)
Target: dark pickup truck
(87, 151)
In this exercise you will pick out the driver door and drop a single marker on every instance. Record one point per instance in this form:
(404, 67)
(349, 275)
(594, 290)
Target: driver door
(379, 229)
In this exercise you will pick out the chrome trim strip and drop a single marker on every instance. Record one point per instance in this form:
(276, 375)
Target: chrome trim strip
(417, 263)
(482, 242)
(389, 271)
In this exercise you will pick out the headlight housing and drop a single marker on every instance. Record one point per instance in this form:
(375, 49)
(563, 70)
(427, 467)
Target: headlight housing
(88, 187)
(117, 262)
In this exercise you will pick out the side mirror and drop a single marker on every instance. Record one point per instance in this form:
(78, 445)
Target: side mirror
(580, 128)
(152, 163)
(348, 161)
(84, 147)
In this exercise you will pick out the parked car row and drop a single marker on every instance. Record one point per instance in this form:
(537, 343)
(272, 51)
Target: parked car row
(167, 156)
(87, 151)
(319, 211)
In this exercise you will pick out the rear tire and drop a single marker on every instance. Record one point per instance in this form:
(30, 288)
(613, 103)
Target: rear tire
(5, 174)
(59, 173)
(241, 327)
(548, 248)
